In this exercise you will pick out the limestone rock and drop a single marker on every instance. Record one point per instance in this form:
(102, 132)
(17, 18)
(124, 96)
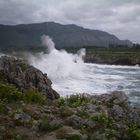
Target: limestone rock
(25, 76)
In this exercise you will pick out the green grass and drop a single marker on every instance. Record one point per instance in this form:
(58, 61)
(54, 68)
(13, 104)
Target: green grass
(109, 52)
(100, 117)
(45, 125)
(77, 100)
(10, 93)
(134, 132)
(72, 100)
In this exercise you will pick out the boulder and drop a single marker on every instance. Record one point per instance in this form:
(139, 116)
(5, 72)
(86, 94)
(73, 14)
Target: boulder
(24, 76)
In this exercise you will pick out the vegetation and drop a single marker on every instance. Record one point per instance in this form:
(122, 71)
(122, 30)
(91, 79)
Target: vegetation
(45, 125)
(109, 52)
(10, 93)
(29, 115)
(100, 117)
(134, 132)
(72, 100)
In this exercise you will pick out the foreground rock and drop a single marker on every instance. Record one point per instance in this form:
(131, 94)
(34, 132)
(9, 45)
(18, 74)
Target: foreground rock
(24, 76)
(30, 116)
(79, 117)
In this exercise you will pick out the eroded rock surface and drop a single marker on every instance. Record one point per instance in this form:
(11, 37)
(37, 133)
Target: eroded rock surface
(25, 76)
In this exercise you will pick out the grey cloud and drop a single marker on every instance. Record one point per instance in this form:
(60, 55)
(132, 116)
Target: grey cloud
(120, 17)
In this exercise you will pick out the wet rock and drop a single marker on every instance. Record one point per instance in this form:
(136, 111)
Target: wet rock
(67, 132)
(22, 117)
(35, 125)
(24, 76)
(123, 61)
(98, 136)
(117, 112)
(2, 129)
(75, 121)
(116, 97)
(56, 123)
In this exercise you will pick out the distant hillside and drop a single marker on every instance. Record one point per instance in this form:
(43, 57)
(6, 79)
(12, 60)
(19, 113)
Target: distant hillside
(28, 35)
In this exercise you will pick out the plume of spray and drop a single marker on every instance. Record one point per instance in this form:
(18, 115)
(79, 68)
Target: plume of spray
(58, 64)
(48, 42)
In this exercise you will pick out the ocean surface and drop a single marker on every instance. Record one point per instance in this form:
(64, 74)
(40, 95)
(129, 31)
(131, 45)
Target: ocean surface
(98, 79)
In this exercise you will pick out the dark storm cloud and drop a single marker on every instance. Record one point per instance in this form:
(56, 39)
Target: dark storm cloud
(120, 17)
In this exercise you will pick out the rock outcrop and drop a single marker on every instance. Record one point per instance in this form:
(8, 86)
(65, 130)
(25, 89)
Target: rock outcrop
(78, 117)
(24, 76)
(130, 61)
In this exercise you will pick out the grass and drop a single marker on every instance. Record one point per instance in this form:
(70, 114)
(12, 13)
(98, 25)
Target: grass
(100, 117)
(45, 125)
(108, 53)
(72, 100)
(10, 93)
(134, 132)
(77, 100)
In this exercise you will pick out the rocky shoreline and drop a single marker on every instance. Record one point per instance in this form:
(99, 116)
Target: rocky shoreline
(16, 71)
(79, 117)
(128, 61)
(37, 112)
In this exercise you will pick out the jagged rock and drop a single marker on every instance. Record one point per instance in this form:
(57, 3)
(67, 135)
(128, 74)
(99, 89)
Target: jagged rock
(116, 97)
(22, 117)
(24, 76)
(68, 132)
(56, 123)
(75, 121)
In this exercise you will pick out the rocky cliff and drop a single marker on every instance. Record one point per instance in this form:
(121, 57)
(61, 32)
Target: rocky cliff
(16, 71)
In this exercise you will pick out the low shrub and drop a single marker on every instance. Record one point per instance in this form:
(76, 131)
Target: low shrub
(101, 117)
(45, 125)
(77, 100)
(134, 132)
(10, 93)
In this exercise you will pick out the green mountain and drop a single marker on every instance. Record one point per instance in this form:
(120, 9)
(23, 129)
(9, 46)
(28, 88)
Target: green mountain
(28, 35)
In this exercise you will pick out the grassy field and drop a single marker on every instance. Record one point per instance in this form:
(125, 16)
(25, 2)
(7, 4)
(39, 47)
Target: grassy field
(109, 52)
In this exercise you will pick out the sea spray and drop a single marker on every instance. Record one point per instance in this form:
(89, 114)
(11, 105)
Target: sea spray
(58, 64)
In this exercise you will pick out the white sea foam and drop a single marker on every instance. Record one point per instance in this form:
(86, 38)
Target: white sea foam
(58, 64)
(71, 75)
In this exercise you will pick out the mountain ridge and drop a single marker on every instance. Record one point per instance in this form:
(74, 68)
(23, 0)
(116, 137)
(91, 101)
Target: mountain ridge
(69, 35)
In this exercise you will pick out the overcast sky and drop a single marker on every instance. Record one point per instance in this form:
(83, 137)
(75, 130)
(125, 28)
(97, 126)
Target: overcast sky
(120, 17)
